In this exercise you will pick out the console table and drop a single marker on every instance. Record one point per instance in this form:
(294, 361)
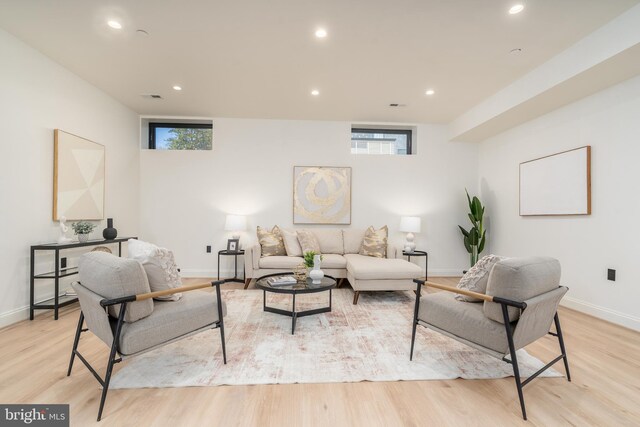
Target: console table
(58, 273)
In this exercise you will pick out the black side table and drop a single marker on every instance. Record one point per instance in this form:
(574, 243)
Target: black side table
(419, 253)
(235, 254)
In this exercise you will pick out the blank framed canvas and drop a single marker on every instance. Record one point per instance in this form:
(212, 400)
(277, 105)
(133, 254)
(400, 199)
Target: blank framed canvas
(559, 184)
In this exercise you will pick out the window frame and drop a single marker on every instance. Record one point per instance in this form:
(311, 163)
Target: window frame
(154, 125)
(407, 132)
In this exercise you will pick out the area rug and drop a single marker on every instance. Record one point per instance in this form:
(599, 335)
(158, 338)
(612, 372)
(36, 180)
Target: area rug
(365, 342)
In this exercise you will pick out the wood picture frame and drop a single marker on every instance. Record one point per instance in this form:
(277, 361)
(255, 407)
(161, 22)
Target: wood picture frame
(556, 185)
(79, 176)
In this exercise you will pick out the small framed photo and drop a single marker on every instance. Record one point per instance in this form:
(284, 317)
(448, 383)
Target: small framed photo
(232, 245)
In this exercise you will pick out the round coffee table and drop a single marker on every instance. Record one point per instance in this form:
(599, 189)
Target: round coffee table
(307, 287)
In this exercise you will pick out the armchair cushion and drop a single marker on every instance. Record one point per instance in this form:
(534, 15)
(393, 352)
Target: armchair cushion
(519, 279)
(170, 320)
(463, 320)
(113, 277)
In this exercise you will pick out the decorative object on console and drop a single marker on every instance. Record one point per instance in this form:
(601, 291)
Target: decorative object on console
(109, 233)
(308, 241)
(375, 242)
(160, 266)
(316, 274)
(236, 224)
(476, 278)
(321, 195)
(78, 178)
(82, 230)
(63, 231)
(475, 238)
(410, 225)
(271, 243)
(232, 245)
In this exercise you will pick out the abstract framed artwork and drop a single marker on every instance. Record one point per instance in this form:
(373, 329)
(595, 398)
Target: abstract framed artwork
(321, 195)
(558, 184)
(78, 178)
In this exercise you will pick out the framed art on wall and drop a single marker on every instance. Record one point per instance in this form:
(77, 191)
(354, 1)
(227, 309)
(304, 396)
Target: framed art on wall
(558, 184)
(78, 178)
(321, 195)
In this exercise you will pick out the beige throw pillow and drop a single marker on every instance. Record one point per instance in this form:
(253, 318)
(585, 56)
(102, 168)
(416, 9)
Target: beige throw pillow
(271, 242)
(160, 266)
(291, 243)
(375, 242)
(477, 277)
(308, 242)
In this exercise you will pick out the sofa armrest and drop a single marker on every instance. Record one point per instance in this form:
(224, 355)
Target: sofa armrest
(252, 258)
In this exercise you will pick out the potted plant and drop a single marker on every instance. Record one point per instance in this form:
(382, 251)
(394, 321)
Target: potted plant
(83, 229)
(312, 261)
(475, 237)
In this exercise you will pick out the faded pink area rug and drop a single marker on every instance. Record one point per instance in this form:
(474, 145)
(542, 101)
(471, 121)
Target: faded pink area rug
(365, 342)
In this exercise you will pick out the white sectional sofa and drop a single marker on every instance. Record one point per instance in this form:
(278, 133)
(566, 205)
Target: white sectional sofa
(341, 259)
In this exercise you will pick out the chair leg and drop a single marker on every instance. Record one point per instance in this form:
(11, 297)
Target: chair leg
(75, 342)
(356, 295)
(514, 359)
(415, 321)
(247, 281)
(221, 321)
(556, 320)
(112, 359)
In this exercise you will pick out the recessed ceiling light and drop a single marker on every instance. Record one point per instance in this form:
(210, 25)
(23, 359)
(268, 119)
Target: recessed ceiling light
(516, 8)
(177, 87)
(430, 92)
(114, 24)
(321, 33)
(315, 92)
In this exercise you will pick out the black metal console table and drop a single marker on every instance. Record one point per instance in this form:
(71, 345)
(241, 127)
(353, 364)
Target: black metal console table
(58, 273)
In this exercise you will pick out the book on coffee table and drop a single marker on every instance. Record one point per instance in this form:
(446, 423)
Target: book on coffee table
(282, 281)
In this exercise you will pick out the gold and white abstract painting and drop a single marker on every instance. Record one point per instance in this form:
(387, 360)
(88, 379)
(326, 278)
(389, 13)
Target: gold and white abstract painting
(78, 178)
(321, 195)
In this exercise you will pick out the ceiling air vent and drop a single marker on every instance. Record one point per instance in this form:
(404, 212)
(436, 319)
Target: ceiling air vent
(151, 96)
(397, 105)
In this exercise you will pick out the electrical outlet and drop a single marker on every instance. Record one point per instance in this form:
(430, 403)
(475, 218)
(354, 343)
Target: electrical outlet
(63, 262)
(611, 274)
(208, 249)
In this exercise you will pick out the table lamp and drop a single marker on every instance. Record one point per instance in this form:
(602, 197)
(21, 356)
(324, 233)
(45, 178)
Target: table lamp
(410, 225)
(236, 224)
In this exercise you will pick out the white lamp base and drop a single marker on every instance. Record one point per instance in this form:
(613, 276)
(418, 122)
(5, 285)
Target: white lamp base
(409, 245)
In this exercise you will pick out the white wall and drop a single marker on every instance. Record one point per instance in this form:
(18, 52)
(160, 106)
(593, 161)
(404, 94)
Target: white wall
(586, 246)
(185, 195)
(36, 96)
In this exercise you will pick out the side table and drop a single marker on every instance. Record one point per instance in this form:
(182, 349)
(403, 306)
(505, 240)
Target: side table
(235, 254)
(419, 253)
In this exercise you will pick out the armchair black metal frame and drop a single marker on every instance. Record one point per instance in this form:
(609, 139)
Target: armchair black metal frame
(505, 303)
(115, 356)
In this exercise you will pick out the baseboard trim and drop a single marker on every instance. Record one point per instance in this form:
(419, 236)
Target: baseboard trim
(445, 272)
(613, 316)
(14, 316)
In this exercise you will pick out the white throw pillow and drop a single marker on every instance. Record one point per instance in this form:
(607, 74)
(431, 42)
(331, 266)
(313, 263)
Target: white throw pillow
(476, 278)
(291, 243)
(159, 265)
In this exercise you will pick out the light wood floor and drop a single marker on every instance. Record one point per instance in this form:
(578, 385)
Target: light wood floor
(603, 359)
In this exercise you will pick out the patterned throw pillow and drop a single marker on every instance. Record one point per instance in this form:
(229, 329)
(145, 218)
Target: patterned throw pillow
(308, 241)
(477, 277)
(271, 243)
(375, 242)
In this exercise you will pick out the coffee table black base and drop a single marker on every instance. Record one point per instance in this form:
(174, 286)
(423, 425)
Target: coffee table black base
(294, 314)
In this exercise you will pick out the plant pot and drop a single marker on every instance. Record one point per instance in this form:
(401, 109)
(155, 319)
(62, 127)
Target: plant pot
(82, 238)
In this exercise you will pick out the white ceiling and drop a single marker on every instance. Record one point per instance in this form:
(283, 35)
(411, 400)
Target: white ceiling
(260, 58)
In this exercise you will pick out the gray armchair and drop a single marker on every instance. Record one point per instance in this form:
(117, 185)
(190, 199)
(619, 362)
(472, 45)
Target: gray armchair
(518, 308)
(118, 307)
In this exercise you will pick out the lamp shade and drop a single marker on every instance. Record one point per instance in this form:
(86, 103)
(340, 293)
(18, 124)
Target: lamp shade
(410, 224)
(235, 223)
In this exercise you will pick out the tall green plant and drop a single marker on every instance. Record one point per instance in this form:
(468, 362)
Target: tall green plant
(475, 237)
